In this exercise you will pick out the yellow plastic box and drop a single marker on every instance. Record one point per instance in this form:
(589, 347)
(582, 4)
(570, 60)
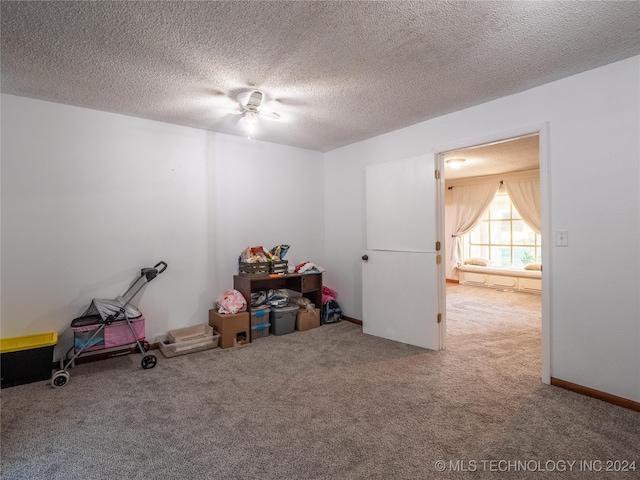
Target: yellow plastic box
(27, 359)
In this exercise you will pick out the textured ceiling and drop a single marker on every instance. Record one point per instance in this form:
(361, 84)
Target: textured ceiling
(336, 72)
(508, 156)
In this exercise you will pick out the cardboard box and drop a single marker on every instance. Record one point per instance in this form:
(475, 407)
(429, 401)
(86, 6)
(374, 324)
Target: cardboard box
(234, 329)
(308, 319)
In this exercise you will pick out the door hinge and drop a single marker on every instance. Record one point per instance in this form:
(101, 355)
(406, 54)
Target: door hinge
(439, 318)
(437, 174)
(438, 259)
(438, 246)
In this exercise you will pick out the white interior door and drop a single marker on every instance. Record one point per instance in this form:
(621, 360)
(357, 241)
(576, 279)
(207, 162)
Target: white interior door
(402, 296)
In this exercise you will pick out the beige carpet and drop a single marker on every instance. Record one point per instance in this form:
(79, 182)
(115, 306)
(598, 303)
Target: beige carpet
(328, 403)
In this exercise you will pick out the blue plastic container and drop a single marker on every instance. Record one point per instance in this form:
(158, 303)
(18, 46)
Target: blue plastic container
(260, 330)
(260, 322)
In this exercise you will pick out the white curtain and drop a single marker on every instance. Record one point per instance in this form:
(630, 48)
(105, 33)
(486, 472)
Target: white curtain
(525, 196)
(470, 205)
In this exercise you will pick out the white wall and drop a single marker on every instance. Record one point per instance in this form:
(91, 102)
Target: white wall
(594, 169)
(89, 198)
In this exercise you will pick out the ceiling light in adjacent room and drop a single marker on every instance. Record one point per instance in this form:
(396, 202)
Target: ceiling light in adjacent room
(455, 162)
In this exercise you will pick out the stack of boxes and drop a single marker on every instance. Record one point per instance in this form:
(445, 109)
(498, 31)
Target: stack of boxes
(241, 328)
(260, 322)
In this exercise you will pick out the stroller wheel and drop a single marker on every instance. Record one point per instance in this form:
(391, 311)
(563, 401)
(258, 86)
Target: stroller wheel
(145, 345)
(59, 379)
(149, 361)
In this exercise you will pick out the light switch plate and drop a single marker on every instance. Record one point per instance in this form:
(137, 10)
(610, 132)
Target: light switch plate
(562, 238)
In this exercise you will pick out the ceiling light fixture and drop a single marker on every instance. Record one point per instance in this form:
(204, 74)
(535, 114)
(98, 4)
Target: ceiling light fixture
(250, 120)
(250, 107)
(455, 162)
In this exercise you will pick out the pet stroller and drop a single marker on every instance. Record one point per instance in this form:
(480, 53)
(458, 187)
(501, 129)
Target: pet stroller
(109, 323)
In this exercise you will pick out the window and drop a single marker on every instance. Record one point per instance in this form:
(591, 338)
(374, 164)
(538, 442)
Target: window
(503, 237)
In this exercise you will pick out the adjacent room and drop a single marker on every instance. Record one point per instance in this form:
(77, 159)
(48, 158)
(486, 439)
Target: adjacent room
(491, 242)
(494, 256)
(191, 145)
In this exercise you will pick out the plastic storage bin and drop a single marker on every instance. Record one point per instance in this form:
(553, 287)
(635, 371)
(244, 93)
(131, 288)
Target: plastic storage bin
(27, 359)
(259, 331)
(260, 322)
(260, 316)
(189, 340)
(187, 334)
(283, 319)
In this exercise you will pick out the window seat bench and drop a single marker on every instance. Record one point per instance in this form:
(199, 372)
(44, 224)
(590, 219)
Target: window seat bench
(501, 277)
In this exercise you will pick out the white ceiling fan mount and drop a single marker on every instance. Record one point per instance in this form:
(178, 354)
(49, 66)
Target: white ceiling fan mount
(250, 106)
(250, 100)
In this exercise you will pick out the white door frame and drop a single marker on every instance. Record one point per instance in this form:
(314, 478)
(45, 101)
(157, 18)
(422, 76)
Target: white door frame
(440, 233)
(542, 129)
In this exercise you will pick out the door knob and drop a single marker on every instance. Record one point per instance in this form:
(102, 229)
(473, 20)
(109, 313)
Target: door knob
(365, 257)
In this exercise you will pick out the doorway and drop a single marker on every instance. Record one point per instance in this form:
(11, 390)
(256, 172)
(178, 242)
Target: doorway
(516, 155)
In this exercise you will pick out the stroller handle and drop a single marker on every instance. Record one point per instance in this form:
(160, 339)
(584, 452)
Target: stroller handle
(151, 273)
(164, 266)
(148, 274)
